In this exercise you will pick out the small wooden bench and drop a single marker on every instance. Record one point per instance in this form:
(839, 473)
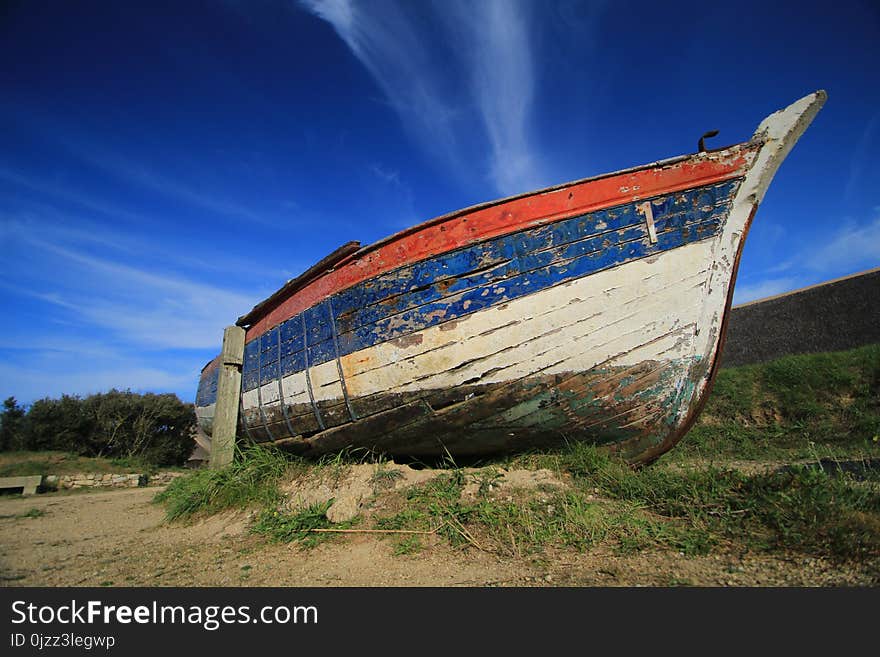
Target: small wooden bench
(28, 485)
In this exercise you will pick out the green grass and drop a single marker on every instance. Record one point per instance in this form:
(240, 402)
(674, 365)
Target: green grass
(412, 517)
(691, 509)
(800, 508)
(527, 522)
(383, 478)
(409, 545)
(25, 463)
(797, 407)
(251, 480)
(283, 526)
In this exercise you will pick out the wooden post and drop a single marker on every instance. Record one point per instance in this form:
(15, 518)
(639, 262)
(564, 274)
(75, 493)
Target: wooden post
(228, 391)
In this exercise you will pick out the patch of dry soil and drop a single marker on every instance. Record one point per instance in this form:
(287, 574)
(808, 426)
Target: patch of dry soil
(352, 487)
(120, 538)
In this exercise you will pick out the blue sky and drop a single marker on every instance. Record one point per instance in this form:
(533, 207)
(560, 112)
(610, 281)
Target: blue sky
(165, 166)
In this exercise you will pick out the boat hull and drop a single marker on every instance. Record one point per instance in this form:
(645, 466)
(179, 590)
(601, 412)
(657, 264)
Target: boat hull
(483, 335)
(586, 333)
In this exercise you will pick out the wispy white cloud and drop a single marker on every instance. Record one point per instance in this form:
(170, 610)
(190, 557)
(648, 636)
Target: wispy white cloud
(37, 361)
(766, 288)
(139, 174)
(385, 37)
(37, 219)
(45, 376)
(860, 157)
(487, 44)
(25, 342)
(53, 298)
(399, 212)
(496, 50)
(188, 190)
(386, 175)
(852, 247)
(61, 191)
(78, 231)
(158, 311)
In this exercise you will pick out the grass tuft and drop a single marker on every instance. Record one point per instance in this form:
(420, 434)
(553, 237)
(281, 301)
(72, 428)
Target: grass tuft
(283, 526)
(383, 478)
(251, 479)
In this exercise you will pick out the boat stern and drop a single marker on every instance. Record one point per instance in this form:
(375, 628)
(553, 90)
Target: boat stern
(206, 398)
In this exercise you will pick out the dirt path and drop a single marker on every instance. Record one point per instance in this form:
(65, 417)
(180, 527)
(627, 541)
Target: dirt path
(119, 538)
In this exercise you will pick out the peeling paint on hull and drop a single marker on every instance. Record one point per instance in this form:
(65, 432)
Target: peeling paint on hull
(593, 311)
(621, 407)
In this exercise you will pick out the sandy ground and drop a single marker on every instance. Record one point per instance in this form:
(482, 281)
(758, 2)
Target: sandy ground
(120, 538)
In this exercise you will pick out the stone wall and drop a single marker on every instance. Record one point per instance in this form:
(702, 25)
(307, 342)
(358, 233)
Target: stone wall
(98, 480)
(841, 314)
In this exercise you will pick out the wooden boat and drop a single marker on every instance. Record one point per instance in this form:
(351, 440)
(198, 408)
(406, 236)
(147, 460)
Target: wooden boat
(590, 311)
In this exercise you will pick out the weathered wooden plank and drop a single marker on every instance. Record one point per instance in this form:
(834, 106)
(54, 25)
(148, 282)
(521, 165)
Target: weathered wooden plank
(472, 427)
(519, 247)
(571, 394)
(621, 298)
(581, 397)
(326, 349)
(302, 418)
(515, 287)
(371, 431)
(207, 391)
(225, 421)
(452, 426)
(524, 320)
(645, 293)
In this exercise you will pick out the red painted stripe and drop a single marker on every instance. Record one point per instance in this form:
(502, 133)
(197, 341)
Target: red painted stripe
(466, 227)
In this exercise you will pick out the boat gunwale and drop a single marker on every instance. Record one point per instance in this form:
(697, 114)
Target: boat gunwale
(292, 287)
(537, 192)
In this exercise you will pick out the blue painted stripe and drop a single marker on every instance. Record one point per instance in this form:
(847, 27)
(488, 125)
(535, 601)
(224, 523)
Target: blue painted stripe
(532, 258)
(485, 296)
(669, 212)
(476, 277)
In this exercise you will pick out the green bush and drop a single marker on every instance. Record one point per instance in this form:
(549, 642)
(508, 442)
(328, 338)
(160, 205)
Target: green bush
(12, 422)
(153, 428)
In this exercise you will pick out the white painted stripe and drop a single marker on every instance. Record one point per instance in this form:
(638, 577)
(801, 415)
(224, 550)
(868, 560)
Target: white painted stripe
(632, 301)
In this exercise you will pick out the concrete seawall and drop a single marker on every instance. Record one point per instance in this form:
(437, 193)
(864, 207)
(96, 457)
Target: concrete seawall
(840, 314)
